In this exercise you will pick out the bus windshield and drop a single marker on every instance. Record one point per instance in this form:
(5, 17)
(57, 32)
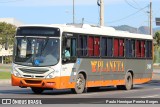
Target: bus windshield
(31, 51)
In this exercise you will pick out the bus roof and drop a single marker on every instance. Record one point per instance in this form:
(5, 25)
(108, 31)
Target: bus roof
(94, 30)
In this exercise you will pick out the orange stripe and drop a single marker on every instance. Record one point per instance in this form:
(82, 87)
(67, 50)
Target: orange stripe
(63, 82)
(141, 81)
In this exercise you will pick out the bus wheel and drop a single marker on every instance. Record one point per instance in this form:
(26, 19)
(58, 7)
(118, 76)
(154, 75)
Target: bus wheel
(37, 90)
(128, 83)
(80, 84)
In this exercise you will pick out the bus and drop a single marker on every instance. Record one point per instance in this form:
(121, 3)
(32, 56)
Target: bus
(79, 57)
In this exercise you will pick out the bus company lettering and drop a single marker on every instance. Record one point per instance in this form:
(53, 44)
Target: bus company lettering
(100, 66)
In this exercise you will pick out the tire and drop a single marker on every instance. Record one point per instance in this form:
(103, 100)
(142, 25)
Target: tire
(128, 82)
(80, 84)
(37, 90)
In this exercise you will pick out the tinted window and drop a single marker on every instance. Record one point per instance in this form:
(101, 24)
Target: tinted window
(149, 49)
(116, 47)
(82, 46)
(130, 48)
(121, 47)
(104, 47)
(109, 47)
(90, 46)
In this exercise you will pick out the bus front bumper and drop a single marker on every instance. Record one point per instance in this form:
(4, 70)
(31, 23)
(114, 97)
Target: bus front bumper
(30, 82)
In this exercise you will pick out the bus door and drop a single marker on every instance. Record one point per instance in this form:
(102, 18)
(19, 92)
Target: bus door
(69, 45)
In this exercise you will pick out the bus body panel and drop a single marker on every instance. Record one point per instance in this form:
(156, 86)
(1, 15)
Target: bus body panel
(100, 71)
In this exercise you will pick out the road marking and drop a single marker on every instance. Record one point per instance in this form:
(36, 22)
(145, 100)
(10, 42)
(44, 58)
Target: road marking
(153, 96)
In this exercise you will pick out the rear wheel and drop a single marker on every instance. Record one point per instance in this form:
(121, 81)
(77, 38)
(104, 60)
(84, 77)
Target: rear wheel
(37, 90)
(128, 82)
(80, 84)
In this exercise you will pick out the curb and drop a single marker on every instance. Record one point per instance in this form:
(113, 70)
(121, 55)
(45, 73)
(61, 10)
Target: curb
(156, 76)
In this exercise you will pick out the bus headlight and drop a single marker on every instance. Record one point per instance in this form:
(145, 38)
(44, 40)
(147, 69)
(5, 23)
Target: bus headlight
(15, 72)
(51, 75)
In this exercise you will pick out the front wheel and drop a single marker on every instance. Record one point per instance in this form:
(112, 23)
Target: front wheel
(80, 84)
(128, 82)
(37, 90)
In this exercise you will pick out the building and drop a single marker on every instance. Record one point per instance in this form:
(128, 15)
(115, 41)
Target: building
(8, 53)
(12, 21)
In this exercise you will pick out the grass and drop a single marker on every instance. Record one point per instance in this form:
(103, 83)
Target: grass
(5, 75)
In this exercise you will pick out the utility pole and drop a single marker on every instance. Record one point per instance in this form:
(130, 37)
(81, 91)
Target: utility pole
(73, 13)
(151, 30)
(101, 12)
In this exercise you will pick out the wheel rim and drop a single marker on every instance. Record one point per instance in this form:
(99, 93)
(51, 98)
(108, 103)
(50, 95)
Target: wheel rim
(80, 83)
(129, 81)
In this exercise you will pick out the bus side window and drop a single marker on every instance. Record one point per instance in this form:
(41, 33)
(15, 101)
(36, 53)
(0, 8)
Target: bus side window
(138, 49)
(69, 49)
(127, 48)
(121, 47)
(96, 46)
(82, 45)
(133, 48)
(116, 50)
(109, 47)
(104, 46)
(142, 49)
(148, 49)
(90, 46)
(73, 47)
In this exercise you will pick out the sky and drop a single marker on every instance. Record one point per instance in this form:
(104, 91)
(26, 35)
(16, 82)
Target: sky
(117, 12)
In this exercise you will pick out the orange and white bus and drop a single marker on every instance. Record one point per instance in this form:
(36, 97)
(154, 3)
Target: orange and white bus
(79, 57)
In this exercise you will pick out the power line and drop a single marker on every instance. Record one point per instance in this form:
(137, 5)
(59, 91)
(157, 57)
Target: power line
(10, 1)
(136, 3)
(128, 15)
(130, 4)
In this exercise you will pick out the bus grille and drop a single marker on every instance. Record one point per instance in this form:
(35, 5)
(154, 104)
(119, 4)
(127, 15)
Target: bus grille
(33, 81)
(34, 71)
(29, 76)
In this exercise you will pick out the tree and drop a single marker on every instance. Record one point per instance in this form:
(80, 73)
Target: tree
(7, 32)
(157, 37)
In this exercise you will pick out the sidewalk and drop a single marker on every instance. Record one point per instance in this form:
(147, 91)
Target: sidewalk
(5, 81)
(5, 67)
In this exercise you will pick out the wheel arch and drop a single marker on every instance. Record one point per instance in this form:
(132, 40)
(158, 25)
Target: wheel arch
(84, 73)
(131, 71)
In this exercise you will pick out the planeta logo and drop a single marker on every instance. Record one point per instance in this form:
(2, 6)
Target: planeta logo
(100, 66)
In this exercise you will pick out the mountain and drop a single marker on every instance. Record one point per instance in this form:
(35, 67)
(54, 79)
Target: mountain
(126, 28)
(141, 29)
(156, 29)
(144, 30)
